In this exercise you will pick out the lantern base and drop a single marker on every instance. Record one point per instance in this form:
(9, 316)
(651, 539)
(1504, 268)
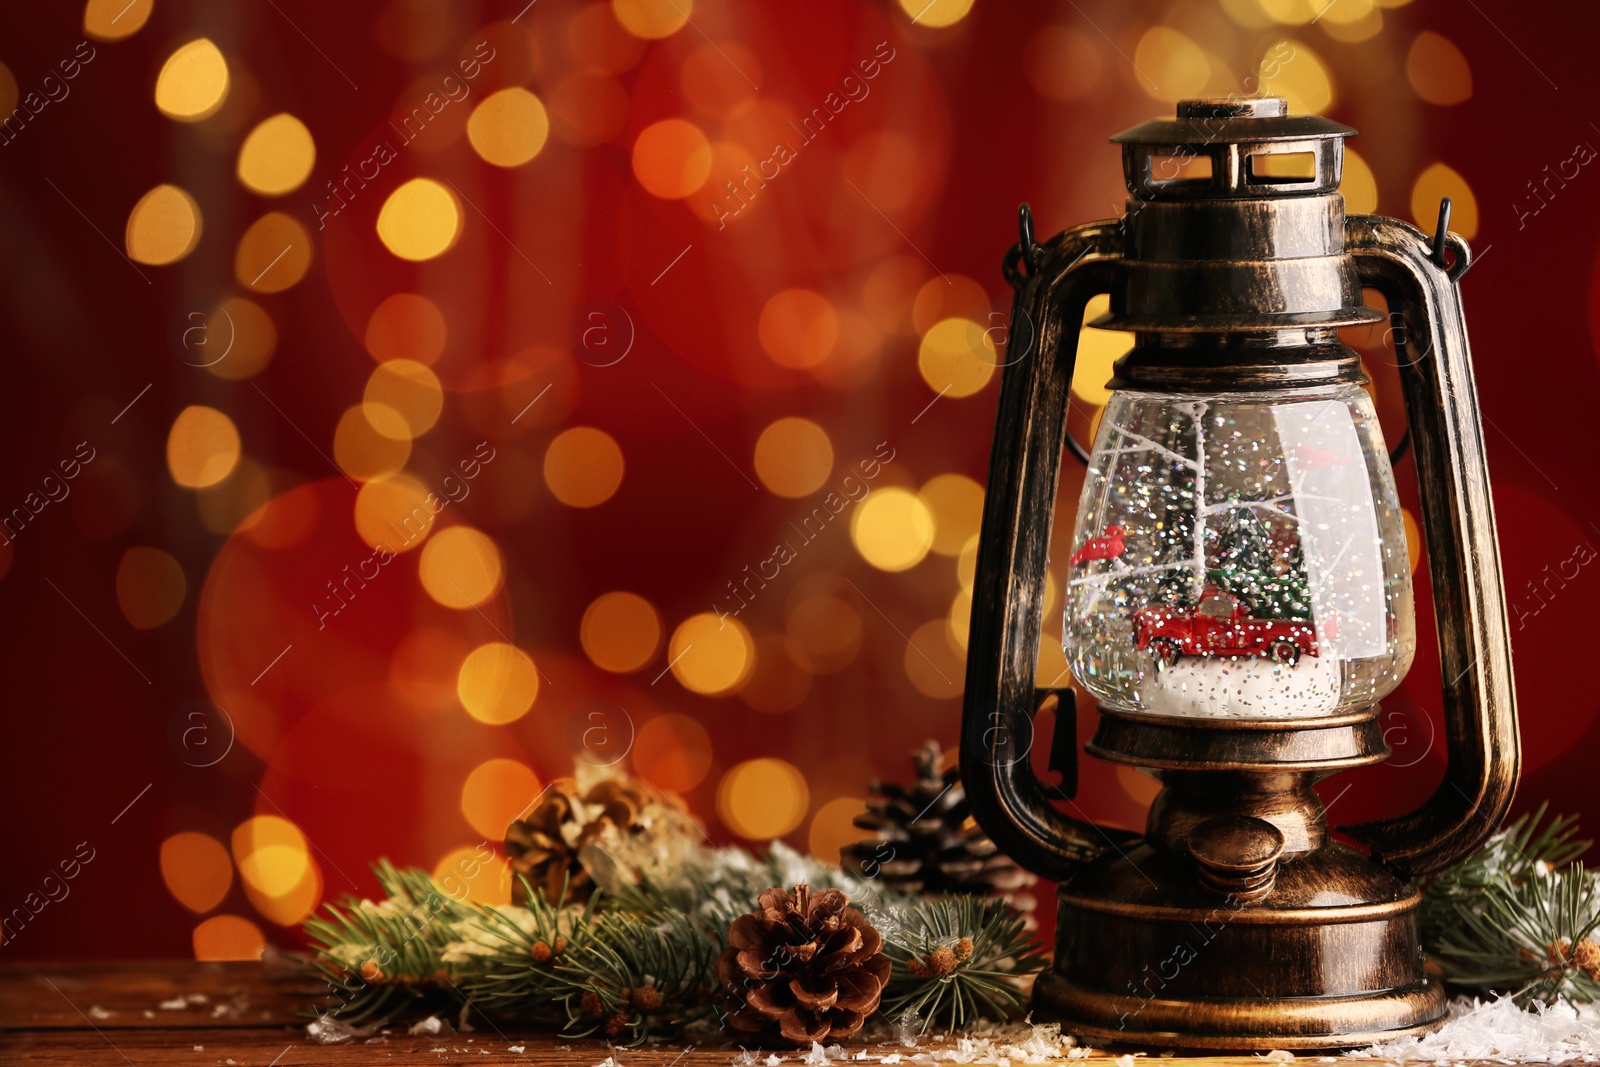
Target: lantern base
(1246, 1024)
(1324, 955)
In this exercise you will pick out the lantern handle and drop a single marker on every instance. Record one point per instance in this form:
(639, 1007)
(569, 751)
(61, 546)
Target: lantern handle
(1011, 803)
(1400, 262)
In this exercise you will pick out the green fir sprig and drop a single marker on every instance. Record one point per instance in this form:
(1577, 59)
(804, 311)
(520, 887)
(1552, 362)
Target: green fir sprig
(957, 960)
(1519, 915)
(638, 959)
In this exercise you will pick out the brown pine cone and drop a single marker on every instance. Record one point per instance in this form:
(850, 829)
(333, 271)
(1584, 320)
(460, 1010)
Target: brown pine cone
(544, 847)
(927, 843)
(803, 968)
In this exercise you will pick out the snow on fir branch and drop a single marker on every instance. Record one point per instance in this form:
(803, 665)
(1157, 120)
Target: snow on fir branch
(1520, 916)
(638, 957)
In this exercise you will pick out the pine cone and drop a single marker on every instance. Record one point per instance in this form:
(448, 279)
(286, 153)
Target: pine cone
(927, 842)
(545, 846)
(804, 968)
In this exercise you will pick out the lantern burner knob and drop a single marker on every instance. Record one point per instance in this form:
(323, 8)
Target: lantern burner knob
(1237, 855)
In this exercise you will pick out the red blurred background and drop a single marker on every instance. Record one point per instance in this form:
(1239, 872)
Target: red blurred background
(535, 295)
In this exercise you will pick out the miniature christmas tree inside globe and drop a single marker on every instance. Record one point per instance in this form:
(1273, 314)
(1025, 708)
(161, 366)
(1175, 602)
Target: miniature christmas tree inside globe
(1240, 555)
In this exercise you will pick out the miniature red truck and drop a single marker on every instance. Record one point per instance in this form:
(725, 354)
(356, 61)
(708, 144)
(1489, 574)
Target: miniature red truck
(1220, 625)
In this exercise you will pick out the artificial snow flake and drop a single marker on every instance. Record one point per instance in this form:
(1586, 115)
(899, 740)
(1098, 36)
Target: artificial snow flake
(1125, 1061)
(1501, 1031)
(97, 1012)
(1279, 1055)
(174, 1004)
(432, 1026)
(516, 1048)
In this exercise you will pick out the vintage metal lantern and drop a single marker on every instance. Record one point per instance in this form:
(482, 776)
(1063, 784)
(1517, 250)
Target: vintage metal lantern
(1238, 596)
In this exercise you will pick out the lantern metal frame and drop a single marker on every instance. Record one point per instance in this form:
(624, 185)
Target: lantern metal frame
(1234, 920)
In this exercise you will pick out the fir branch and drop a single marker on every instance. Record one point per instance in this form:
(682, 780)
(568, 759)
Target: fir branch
(1519, 915)
(378, 960)
(596, 970)
(957, 960)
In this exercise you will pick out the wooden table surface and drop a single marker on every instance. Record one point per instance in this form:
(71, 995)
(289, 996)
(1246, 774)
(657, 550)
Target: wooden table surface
(206, 1014)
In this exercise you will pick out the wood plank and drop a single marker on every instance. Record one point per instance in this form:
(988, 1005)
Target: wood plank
(75, 1014)
(161, 995)
(280, 1047)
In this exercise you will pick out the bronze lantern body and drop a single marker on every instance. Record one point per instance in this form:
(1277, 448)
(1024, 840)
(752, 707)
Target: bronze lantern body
(1234, 920)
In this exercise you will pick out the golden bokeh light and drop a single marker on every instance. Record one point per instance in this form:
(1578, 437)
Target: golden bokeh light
(362, 452)
(235, 503)
(473, 873)
(1358, 185)
(196, 870)
(1303, 80)
(163, 227)
(150, 587)
(891, 289)
(8, 90)
(271, 854)
(228, 937)
(782, 675)
(1413, 538)
(761, 799)
(419, 220)
(394, 513)
(1289, 12)
(652, 19)
(600, 43)
(1097, 351)
(295, 904)
(959, 621)
(710, 655)
(967, 564)
(892, 529)
(583, 467)
(954, 296)
(798, 328)
(273, 254)
(794, 457)
(497, 684)
(672, 752)
(956, 502)
(277, 157)
(671, 158)
(112, 20)
(620, 632)
(403, 399)
(1362, 22)
(236, 341)
(714, 78)
(461, 568)
(935, 666)
(1060, 63)
(193, 82)
(495, 794)
(588, 109)
(1437, 70)
(957, 357)
(825, 625)
(202, 447)
(1169, 65)
(509, 127)
(936, 13)
(833, 827)
(406, 326)
(426, 666)
(1439, 181)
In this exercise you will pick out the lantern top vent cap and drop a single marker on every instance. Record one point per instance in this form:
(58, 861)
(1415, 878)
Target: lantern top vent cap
(1217, 120)
(1244, 142)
